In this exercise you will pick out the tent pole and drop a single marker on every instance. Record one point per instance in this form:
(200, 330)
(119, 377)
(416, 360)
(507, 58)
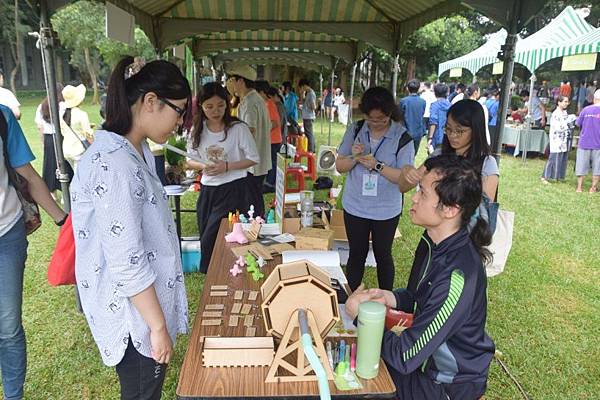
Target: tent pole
(507, 73)
(350, 105)
(395, 75)
(529, 115)
(331, 93)
(322, 101)
(47, 49)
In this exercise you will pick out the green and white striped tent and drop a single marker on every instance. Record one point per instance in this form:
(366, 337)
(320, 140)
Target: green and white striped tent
(588, 43)
(552, 41)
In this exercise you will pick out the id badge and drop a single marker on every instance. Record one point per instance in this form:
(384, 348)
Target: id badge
(369, 186)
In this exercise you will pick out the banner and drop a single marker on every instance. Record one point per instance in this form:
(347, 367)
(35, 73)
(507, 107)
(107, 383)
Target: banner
(498, 68)
(455, 72)
(579, 62)
(119, 24)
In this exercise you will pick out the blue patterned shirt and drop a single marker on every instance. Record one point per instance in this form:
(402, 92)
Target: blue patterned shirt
(125, 241)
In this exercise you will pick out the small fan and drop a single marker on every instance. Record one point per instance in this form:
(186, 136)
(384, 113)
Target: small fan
(326, 160)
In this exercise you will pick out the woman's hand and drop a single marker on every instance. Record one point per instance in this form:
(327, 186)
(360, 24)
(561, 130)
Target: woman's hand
(162, 345)
(412, 174)
(367, 161)
(357, 149)
(361, 295)
(216, 168)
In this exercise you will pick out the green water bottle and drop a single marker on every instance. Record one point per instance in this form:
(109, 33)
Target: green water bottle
(371, 319)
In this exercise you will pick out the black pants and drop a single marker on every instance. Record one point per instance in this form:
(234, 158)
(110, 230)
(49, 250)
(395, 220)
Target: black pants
(273, 172)
(418, 386)
(382, 235)
(159, 162)
(308, 131)
(254, 194)
(141, 377)
(214, 204)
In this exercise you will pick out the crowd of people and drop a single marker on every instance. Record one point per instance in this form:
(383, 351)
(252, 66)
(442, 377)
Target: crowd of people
(128, 263)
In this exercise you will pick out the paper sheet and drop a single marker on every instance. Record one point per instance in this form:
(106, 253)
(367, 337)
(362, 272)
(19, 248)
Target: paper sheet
(328, 261)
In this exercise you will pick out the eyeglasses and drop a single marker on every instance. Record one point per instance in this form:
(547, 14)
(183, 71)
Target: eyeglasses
(180, 111)
(455, 132)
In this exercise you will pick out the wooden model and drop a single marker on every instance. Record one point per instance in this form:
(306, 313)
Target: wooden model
(293, 286)
(237, 351)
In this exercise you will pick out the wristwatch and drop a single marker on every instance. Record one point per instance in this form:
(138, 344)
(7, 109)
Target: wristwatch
(379, 166)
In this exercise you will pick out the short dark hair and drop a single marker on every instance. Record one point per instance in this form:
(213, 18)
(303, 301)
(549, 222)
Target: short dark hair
(427, 84)
(524, 93)
(249, 84)
(159, 76)
(459, 185)
(460, 86)
(379, 98)
(440, 90)
(472, 89)
(262, 86)
(469, 113)
(287, 85)
(303, 82)
(413, 85)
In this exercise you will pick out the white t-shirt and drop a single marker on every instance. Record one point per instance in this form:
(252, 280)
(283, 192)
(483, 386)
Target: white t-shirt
(47, 127)
(429, 98)
(238, 145)
(8, 99)
(458, 98)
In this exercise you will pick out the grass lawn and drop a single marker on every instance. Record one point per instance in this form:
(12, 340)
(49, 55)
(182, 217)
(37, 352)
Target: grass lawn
(542, 314)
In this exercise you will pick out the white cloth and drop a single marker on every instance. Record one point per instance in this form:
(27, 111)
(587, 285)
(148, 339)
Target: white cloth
(486, 114)
(8, 99)
(238, 145)
(253, 111)
(458, 98)
(339, 99)
(125, 241)
(559, 130)
(429, 98)
(73, 135)
(46, 127)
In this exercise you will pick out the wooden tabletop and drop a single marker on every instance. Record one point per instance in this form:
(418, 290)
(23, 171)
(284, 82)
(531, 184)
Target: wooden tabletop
(198, 382)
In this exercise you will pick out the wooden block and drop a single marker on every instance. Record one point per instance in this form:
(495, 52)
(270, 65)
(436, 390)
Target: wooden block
(235, 309)
(214, 307)
(246, 309)
(314, 239)
(256, 249)
(253, 295)
(249, 320)
(218, 287)
(219, 294)
(233, 320)
(250, 331)
(239, 295)
(211, 322)
(238, 351)
(252, 234)
(212, 314)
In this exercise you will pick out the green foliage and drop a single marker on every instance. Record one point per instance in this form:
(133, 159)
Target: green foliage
(439, 41)
(172, 157)
(112, 50)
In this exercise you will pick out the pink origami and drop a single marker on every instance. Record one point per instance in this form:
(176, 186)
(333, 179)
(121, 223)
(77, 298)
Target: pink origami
(237, 235)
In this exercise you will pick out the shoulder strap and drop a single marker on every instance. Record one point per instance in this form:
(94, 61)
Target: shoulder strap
(4, 136)
(358, 127)
(404, 140)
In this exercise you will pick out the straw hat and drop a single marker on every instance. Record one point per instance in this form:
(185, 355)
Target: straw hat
(73, 95)
(245, 71)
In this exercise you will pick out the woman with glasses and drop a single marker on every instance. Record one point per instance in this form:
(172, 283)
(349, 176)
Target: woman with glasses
(128, 263)
(228, 149)
(464, 135)
(373, 153)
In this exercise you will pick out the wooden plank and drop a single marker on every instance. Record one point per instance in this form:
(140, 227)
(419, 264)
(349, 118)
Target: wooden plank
(249, 320)
(253, 295)
(211, 322)
(197, 381)
(239, 295)
(235, 309)
(219, 294)
(233, 320)
(214, 307)
(212, 314)
(246, 309)
(251, 331)
(218, 287)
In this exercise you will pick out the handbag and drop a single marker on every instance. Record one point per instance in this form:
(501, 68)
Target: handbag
(31, 211)
(61, 270)
(501, 242)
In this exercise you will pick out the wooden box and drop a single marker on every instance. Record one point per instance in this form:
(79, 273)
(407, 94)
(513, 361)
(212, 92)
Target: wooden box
(314, 239)
(237, 351)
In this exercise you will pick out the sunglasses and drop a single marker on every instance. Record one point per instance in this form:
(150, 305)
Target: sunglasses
(180, 111)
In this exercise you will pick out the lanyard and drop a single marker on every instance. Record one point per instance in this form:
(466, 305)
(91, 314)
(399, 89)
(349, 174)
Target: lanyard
(380, 143)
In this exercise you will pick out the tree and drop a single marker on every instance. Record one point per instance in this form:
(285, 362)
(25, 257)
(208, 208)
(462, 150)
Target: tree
(112, 51)
(80, 29)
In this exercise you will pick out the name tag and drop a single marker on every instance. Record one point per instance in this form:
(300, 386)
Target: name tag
(369, 185)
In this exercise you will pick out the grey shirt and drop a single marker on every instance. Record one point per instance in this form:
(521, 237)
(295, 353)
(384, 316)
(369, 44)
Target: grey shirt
(309, 104)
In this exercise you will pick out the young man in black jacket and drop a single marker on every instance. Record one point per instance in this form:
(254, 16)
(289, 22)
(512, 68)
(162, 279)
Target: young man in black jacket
(446, 353)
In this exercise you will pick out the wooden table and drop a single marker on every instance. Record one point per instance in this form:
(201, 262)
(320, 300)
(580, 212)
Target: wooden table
(198, 382)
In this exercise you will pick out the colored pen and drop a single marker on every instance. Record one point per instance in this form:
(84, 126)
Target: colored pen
(336, 355)
(329, 354)
(342, 351)
(353, 357)
(347, 356)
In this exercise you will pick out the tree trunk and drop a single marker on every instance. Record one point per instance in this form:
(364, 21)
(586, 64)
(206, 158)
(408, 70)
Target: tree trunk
(411, 67)
(92, 72)
(15, 52)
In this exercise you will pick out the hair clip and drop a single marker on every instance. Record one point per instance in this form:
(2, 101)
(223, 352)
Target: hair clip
(135, 67)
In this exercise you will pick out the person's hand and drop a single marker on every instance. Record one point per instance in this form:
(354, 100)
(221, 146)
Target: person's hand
(216, 168)
(384, 297)
(357, 149)
(162, 345)
(412, 175)
(367, 161)
(360, 295)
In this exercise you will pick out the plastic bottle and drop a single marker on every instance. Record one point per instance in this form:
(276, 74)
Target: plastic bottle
(306, 208)
(371, 318)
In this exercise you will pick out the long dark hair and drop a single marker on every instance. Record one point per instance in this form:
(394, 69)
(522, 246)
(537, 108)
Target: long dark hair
(379, 98)
(160, 77)
(470, 113)
(209, 90)
(459, 185)
(45, 109)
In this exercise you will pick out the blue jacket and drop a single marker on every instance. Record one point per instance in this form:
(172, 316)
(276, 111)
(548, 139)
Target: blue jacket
(438, 116)
(492, 106)
(290, 103)
(413, 108)
(447, 293)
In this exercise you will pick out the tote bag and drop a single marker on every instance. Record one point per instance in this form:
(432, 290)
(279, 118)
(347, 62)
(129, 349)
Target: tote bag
(501, 242)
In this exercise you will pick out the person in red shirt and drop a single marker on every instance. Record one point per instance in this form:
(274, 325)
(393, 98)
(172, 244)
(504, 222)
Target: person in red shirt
(565, 89)
(262, 87)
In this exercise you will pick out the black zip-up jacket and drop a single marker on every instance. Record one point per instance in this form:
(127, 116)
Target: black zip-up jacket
(447, 294)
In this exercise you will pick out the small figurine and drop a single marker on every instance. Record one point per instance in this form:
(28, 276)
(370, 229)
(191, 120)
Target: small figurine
(271, 216)
(261, 262)
(243, 219)
(251, 212)
(240, 261)
(236, 270)
(230, 217)
(259, 219)
(237, 235)
(252, 267)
